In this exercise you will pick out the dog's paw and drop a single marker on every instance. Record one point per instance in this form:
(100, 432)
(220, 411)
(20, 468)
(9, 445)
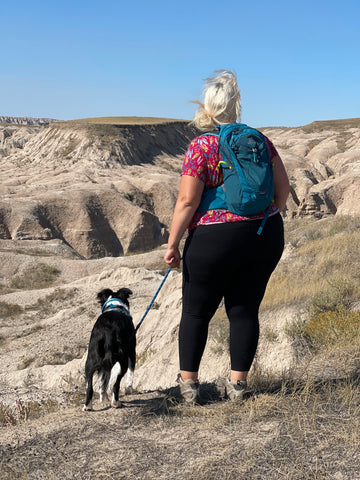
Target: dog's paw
(116, 404)
(87, 408)
(129, 390)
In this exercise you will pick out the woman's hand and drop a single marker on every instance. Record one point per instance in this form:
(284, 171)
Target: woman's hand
(172, 257)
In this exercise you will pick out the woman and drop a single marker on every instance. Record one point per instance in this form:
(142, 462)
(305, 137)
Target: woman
(213, 264)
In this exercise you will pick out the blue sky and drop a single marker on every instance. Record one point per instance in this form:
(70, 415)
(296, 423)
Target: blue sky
(296, 61)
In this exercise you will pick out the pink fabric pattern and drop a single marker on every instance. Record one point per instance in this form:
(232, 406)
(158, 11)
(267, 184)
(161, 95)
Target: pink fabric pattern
(201, 161)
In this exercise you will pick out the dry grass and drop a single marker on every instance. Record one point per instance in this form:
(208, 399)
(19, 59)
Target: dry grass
(50, 303)
(333, 328)
(31, 331)
(142, 357)
(294, 427)
(285, 430)
(324, 253)
(124, 121)
(33, 252)
(35, 276)
(24, 411)
(9, 310)
(331, 124)
(26, 362)
(5, 289)
(63, 357)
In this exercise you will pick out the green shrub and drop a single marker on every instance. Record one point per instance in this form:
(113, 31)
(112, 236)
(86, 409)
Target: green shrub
(36, 276)
(295, 329)
(4, 289)
(269, 334)
(26, 363)
(33, 329)
(333, 327)
(9, 310)
(142, 357)
(48, 303)
(338, 296)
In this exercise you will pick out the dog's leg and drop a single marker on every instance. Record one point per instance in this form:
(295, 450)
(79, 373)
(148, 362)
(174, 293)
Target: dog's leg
(115, 397)
(129, 377)
(89, 391)
(131, 366)
(102, 388)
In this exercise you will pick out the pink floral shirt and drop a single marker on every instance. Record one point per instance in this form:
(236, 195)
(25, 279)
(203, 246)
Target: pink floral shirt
(201, 161)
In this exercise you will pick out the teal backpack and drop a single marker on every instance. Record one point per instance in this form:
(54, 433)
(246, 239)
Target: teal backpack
(248, 186)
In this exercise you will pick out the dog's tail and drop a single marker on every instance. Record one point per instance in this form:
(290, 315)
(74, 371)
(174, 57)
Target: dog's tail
(106, 378)
(108, 373)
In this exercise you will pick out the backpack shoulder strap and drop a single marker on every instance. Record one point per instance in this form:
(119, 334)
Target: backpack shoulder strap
(229, 127)
(214, 132)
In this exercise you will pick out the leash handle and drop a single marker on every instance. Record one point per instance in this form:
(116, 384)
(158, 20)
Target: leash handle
(153, 300)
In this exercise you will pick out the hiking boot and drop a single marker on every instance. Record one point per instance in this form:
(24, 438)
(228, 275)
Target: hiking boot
(235, 390)
(189, 390)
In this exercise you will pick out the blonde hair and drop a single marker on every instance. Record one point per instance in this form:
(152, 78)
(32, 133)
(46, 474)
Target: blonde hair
(222, 102)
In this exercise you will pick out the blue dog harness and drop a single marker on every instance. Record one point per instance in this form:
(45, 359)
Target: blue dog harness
(115, 303)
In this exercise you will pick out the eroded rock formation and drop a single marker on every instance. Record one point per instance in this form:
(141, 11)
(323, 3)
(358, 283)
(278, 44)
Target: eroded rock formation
(108, 189)
(104, 190)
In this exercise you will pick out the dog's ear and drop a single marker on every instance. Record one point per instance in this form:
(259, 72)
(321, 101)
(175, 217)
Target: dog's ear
(104, 295)
(123, 294)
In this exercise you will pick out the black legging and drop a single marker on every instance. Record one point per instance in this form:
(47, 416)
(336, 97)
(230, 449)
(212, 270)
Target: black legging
(227, 260)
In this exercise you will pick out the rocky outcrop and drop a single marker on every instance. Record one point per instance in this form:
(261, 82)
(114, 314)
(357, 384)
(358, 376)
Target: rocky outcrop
(103, 189)
(108, 188)
(65, 144)
(25, 120)
(323, 162)
(93, 223)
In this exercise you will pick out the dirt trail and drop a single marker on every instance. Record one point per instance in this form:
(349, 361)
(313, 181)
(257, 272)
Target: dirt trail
(150, 437)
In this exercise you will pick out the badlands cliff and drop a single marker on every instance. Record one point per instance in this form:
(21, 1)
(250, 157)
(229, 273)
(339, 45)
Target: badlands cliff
(323, 162)
(102, 189)
(25, 120)
(107, 187)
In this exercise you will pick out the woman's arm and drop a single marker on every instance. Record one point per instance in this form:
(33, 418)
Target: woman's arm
(281, 183)
(191, 189)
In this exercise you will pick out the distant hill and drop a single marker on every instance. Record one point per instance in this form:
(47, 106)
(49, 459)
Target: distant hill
(107, 186)
(25, 120)
(125, 120)
(104, 187)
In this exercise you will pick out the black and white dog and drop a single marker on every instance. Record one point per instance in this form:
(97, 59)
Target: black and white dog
(112, 345)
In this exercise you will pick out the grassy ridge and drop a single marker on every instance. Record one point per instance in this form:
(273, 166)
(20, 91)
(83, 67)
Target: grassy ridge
(134, 120)
(323, 255)
(125, 120)
(332, 124)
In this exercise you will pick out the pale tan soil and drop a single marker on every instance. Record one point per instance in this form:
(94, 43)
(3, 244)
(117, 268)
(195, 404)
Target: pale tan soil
(43, 371)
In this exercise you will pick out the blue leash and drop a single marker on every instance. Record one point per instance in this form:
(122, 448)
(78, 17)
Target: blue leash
(153, 300)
